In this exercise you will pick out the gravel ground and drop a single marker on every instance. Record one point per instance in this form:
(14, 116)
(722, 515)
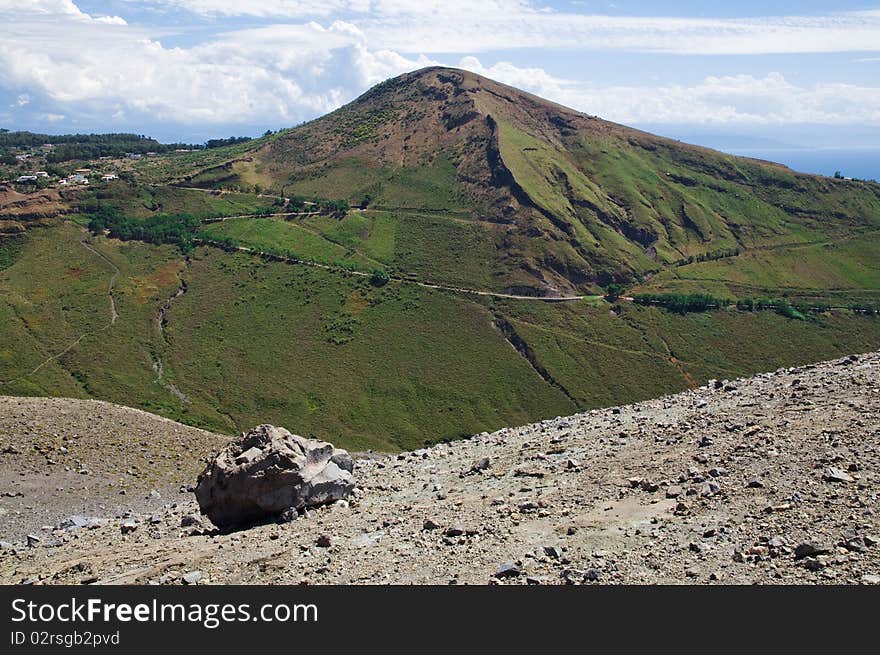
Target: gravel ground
(772, 480)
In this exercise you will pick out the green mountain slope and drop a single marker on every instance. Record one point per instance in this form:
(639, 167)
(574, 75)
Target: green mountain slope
(566, 201)
(481, 202)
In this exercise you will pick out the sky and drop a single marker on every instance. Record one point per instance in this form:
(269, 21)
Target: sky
(749, 76)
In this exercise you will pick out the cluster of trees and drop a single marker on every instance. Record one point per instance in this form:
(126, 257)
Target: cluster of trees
(334, 207)
(231, 141)
(166, 228)
(701, 302)
(682, 303)
(781, 306)
(69, 147)
(722, 253)
(865, 308)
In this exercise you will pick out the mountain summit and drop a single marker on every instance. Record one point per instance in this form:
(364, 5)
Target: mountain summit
(570, 201)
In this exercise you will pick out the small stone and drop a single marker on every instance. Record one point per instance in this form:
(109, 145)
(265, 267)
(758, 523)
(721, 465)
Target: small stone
(648, 485)
(833, 474)
(193, 577)
(508, 570)
(480, 465)
(709, 489)
(870, 578)
(430, 524)
(189, 520)
(323, 541)
(128, 526)
(592, 575)
(813, 564)
(33, 541)
(455, 531)
(553, 551)
(673, 491)
(809, 549)
(755, 483)
(692, 573)
(776, 542)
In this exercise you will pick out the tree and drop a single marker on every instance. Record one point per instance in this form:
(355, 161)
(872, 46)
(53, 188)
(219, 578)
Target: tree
(379, 277)
(614, 291)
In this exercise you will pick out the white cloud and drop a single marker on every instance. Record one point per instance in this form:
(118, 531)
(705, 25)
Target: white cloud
(284, 73)
(768, 100)
(464, 26)
(23, 99)
(278, 74)
(51, 118)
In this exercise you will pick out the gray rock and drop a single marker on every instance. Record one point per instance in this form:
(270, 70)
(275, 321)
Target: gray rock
(673, 492)
(269, 470)
(592, 575)
(74, 523)
(455, 531)
(193, 577)
(480, 465)
(189, 520)
(553, 551)
(833, 474)
(809, 549)
(430, 524)
(870, 578)
(33, 541)
(128, 526)
(508, 570)
(323, 541)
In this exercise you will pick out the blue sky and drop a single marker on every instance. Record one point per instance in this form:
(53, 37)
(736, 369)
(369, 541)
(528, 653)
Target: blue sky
(772, 75)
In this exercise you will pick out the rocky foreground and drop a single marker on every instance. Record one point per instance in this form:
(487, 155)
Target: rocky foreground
(773, 479)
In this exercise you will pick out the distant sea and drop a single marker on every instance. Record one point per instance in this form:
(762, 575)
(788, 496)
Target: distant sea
(862, 164)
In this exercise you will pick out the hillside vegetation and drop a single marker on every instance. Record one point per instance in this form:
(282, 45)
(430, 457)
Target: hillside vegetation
(381, 277)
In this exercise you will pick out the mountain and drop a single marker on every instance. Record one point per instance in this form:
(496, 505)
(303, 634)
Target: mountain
(380, 277)
(566, 201)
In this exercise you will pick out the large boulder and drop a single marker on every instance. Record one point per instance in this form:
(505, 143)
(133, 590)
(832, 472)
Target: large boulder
(269, 470)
